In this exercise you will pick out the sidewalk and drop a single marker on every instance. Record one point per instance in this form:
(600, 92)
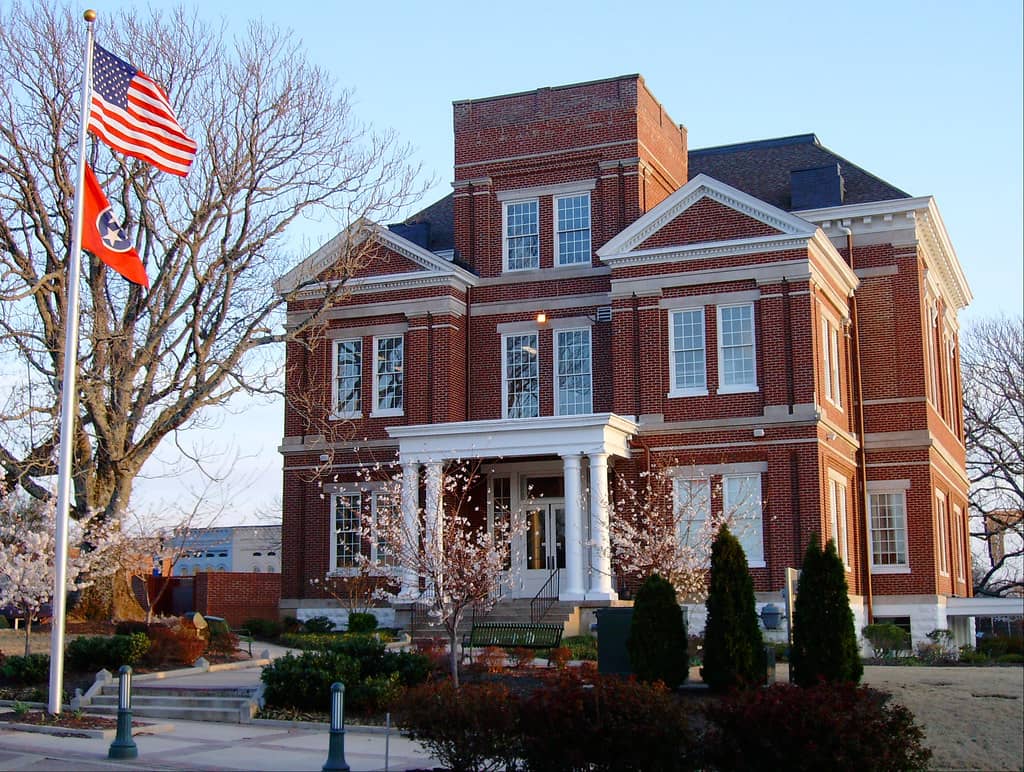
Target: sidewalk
(195, 745)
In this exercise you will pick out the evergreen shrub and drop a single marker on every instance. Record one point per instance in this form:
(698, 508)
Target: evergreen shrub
(303, 681)
(94, 652)
(886, 639)
(733, 649)
(361, 622)
(657, 641)
(824, 638)
(264, 629)
(25, 671)
(319, 624)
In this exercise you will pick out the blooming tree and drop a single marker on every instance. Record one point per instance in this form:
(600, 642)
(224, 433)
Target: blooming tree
(27, 552)
(459, 562)
(666, 524)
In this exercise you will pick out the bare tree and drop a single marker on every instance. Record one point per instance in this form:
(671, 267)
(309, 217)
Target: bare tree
(992, 363)
(278, 142)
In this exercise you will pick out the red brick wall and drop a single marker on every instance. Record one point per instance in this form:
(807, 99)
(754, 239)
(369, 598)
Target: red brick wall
(238, 596)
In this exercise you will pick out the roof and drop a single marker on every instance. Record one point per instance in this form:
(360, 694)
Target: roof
(763, 168)
(440, 219)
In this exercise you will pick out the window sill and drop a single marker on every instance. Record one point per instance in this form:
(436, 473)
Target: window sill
(757, 564)
(344, 416)
(737, 390)
(343, 573)
(687, 393)
(387, 413)
(536, 268)
(890, 569)
(581, 263)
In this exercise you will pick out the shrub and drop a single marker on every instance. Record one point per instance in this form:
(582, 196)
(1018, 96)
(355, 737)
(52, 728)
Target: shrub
(590, 721)
(304, 682)
(1011, 659)
(582, 647)
(128, 627)
(90, 653)
(470, 728)
(222, 641)
(657, 634)
(318, 625)
(490, 660)
(519, 656)
(361, 622)
(174, 646)
(824, 638)
(375, 694)
(22, 671)
(887, 640)
(308, 641)
(559, 657)
(829, 726)
(411, 667)
(733, 651)
(264, 629)
(940, 650)
(968, 656)
(998, 645)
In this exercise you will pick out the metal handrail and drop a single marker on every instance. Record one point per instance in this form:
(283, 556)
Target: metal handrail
(547, 600)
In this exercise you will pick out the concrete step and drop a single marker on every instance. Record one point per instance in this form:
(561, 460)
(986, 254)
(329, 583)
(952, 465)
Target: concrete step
(218, 704)
(218, 715)
(194, 701)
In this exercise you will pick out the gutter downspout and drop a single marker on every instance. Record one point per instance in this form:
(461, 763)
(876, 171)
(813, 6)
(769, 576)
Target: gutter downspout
(468, 390)
(853, 349)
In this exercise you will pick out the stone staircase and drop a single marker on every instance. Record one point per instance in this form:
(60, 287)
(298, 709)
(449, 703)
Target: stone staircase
(231, 705)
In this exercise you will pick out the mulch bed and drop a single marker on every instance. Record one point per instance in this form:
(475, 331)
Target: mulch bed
(63, 720)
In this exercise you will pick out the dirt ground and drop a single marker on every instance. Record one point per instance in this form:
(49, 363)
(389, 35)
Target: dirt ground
(973, 716)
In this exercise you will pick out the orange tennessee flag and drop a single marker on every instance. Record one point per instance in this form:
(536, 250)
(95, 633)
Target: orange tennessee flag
(104, 237)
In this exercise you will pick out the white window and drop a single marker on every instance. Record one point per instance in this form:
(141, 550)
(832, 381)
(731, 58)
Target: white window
(838, 514)
(572, 229)
(736, 370)
(951, 382)
(388, 375)
(888, 525)
(348, 378)
(688, 358)
(386, 506)
(572, 368)
(693, 508)
(942, 533)
(348, 539)
(741, 498)
(520, 376)
(522, 235)
(958, 545)
(830, 355)
(933, 355)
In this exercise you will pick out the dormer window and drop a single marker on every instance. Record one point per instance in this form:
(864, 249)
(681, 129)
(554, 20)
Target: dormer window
(522, 235)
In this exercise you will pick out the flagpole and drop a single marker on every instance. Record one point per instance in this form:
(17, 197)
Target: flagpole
(68, 400)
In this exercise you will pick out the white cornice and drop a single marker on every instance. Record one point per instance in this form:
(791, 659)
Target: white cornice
(708, 249)
(698, 188)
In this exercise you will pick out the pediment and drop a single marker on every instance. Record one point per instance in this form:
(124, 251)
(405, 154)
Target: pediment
(706, 211)
(386, 260)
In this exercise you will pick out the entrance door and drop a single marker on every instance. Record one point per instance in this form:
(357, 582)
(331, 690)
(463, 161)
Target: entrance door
(545, 544)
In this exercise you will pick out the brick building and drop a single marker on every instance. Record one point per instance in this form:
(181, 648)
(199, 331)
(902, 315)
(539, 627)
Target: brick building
(770, 322)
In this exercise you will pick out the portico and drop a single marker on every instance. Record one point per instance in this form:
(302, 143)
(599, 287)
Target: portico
(569, 533)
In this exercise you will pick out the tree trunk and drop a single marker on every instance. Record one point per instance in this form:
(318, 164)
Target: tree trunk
(125, 605)
(28, 633)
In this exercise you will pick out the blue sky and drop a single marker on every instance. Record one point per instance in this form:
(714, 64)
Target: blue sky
(926, 95)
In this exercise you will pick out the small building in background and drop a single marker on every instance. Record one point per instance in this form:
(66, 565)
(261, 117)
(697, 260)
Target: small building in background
(254, 549)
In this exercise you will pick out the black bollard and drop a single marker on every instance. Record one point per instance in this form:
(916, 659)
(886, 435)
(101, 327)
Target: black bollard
(336, 748)
(124, 746)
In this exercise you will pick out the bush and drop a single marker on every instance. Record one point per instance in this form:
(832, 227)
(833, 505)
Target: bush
(411, 667)
(174, 646)
(308, 641)
(360, 622)
(1011, 659)
(129, 626)
(375, 694)
(657, 634)
(582, 647)
(304, 682)
(824, 638)
(590, 721)
(887, 640)
(940, 650)
(91, 653)
(318, 625)
(264, 629)
(968, 656)
(26, 671)
(470, 728)
(222, 641)
(829, 726)
(733, 651)
(998, 645)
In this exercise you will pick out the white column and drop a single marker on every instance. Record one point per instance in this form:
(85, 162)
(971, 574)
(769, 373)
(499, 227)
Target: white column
(433, 516)
(601, 557)
(411, 517)
(574, 541)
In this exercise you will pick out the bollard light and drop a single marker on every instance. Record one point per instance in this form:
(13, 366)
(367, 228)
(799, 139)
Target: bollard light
(123, 746)
(336, 744)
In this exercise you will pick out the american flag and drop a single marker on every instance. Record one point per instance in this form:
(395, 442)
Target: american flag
(130, 112)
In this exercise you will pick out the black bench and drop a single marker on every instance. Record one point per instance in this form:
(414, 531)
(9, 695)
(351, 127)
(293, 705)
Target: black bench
(511, 635)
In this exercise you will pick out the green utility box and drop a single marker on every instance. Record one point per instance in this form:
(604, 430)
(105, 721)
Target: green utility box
(612, 633)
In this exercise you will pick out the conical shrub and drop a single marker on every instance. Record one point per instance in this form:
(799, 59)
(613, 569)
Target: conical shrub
(657, 635)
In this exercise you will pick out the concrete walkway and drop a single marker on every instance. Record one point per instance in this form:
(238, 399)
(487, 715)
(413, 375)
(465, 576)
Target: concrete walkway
(197, 745)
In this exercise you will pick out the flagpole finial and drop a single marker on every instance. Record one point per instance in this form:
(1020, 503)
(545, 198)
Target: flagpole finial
(89, 15)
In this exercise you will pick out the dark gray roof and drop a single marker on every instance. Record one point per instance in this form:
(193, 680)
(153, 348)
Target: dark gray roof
(763, 169)
(439, 219)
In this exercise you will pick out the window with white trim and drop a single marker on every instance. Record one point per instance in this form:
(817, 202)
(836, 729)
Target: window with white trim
(693, 508)
(958, 541)
(346, 515)
(522, 235)
(386, 505)
(830, 354)
(942, 533)
(933, 356)
(572, 229)
(573, 395)
(741, 499)
(388, 375)
(838, 516)
(736, 368)
(520, 376)
(888, 525)
(348, 378)
(951, 383)
(688, 355)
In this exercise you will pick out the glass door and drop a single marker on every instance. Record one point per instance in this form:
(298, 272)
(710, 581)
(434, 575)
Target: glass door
(545, 543)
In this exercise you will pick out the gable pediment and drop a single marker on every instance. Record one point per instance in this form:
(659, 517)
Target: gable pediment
(710, 213)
